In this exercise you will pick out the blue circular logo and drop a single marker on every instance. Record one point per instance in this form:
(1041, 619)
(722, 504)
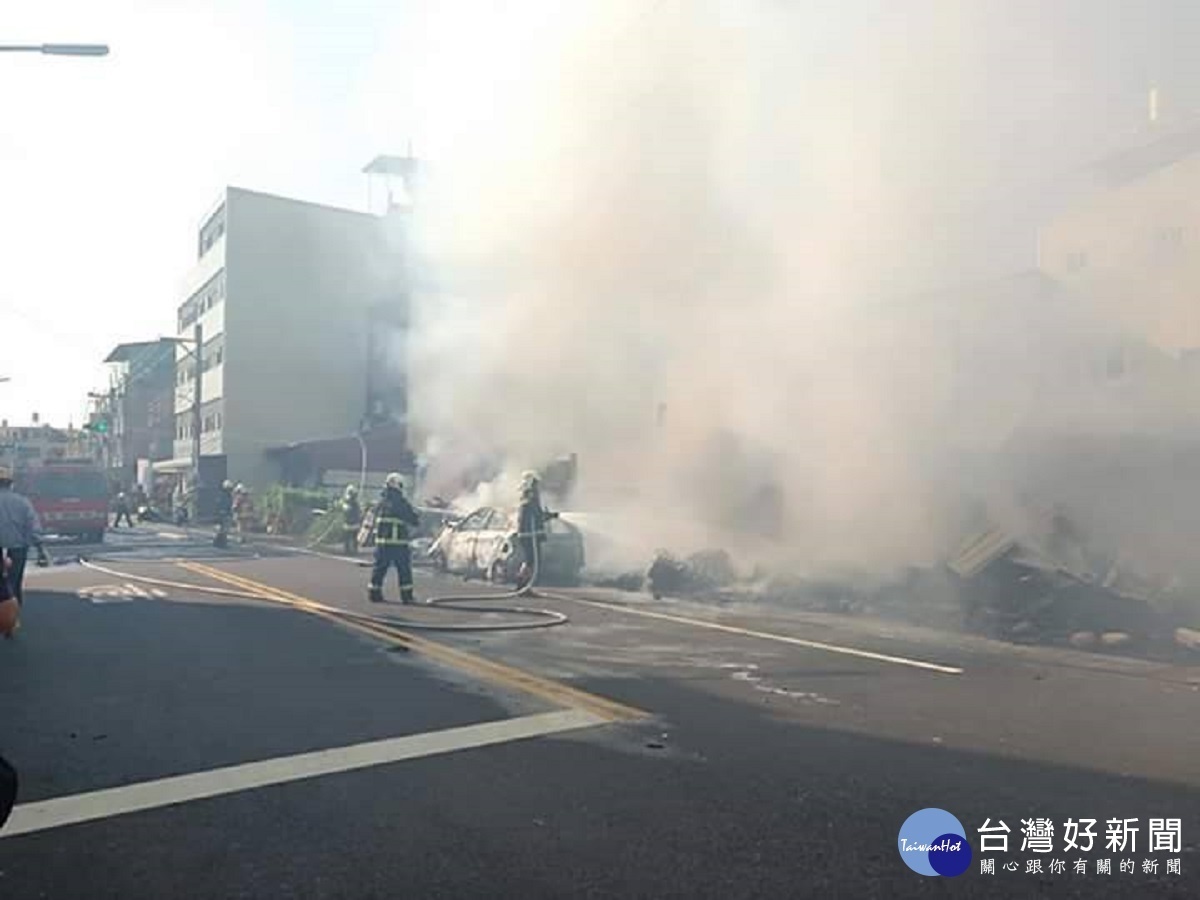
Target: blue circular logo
(933, 842)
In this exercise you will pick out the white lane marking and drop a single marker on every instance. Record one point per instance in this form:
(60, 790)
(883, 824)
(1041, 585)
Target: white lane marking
(322, 554)
(171, 535)
(768, 636)
(105, 593)
(61, 811)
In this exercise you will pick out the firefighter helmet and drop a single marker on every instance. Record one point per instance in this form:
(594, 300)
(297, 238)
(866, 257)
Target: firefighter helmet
(394, 481)
(226, 485)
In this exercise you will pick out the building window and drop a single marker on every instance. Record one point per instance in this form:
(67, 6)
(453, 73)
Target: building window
(1077, 262)
(212, 293)
(211, 231)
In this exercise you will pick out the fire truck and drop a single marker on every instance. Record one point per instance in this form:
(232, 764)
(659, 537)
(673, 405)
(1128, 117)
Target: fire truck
(70, 496)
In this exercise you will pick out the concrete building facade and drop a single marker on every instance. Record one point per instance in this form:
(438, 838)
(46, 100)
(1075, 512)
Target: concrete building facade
(1129, 247)
(289, 297)
(36, 445)
(140, 407)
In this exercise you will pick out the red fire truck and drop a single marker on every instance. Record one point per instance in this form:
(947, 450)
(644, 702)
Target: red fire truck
(71, 497)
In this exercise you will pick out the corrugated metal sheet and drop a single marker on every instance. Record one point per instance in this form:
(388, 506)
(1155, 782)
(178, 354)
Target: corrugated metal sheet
(980, 551)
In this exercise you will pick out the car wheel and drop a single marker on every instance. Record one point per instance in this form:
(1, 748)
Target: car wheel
(498, 573)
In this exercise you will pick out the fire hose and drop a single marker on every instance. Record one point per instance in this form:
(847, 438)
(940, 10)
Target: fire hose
(534, 617)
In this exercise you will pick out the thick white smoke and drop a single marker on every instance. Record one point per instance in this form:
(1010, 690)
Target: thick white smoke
(684, 240)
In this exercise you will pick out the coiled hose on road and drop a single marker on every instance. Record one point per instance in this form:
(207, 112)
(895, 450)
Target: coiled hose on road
(542, 618)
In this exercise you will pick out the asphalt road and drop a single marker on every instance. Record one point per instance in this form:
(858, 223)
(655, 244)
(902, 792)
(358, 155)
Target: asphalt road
(778, 755)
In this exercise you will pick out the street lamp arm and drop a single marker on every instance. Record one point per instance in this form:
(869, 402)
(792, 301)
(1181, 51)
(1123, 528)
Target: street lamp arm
(75, 49)
(57, 49)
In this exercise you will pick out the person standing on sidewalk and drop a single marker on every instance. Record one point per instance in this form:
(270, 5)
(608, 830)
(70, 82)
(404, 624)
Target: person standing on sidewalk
(19, 530)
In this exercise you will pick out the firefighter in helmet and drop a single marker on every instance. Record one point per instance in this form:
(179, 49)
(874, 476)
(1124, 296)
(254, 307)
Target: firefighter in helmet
(531, 529)
(351, 520)
(243, 511)
(224, 514)
(394, 518)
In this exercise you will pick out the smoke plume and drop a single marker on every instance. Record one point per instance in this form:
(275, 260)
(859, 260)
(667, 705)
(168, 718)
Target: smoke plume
(690, 242)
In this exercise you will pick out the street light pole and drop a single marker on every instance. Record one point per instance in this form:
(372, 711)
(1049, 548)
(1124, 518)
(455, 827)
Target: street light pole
(198, 338)
(197, 356)
(362, 445)
(57, 49)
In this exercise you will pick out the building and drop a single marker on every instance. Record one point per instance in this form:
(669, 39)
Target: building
(35, 445)
(139, 408)
(301, 311)
(1130, 245)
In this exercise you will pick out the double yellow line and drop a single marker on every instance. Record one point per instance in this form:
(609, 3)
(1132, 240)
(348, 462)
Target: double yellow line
(467, 663)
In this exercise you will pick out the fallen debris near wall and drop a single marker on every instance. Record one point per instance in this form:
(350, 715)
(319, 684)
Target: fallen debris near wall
(1011, 589)
(707, 570)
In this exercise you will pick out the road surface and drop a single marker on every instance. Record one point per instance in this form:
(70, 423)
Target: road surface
(175, 742)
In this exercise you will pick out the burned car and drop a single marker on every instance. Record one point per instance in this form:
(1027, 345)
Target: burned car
(485, 543)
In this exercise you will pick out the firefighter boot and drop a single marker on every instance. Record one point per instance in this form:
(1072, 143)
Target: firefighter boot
(375, 593)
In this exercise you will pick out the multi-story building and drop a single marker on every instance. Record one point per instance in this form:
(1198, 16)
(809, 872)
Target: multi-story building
(140, 407)
(297, 305)
(37, 444)
(1129, 246)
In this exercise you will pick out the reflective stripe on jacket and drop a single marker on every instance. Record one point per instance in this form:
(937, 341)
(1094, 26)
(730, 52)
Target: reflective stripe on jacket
(390, 531)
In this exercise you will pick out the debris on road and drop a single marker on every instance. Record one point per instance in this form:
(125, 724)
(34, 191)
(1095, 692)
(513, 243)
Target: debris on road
(628, 581)
(1054, 587)
(707, 570)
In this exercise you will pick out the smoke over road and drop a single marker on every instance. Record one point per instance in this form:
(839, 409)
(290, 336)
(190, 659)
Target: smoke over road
(687, 242)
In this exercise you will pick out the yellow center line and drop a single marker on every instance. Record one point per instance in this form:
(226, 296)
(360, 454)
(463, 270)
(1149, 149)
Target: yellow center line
(469, 663)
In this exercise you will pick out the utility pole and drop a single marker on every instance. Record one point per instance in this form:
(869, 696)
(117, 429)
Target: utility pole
(198, 356)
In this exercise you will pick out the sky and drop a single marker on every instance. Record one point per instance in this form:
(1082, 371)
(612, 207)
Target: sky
(107, 166)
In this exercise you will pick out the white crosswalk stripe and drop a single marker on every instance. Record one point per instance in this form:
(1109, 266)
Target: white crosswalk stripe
(119, 593)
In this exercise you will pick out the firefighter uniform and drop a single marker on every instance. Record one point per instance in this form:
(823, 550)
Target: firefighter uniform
(531, 529)
(351, 520)
(393, 520)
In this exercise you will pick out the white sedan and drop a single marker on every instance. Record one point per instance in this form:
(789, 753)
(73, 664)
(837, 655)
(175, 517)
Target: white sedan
(485, 543)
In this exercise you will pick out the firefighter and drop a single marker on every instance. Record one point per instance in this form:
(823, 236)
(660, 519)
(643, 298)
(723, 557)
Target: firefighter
(123, 511)
(243, 511)
(394, 517)
(531, 529)
(224, 513)
(351, 520)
